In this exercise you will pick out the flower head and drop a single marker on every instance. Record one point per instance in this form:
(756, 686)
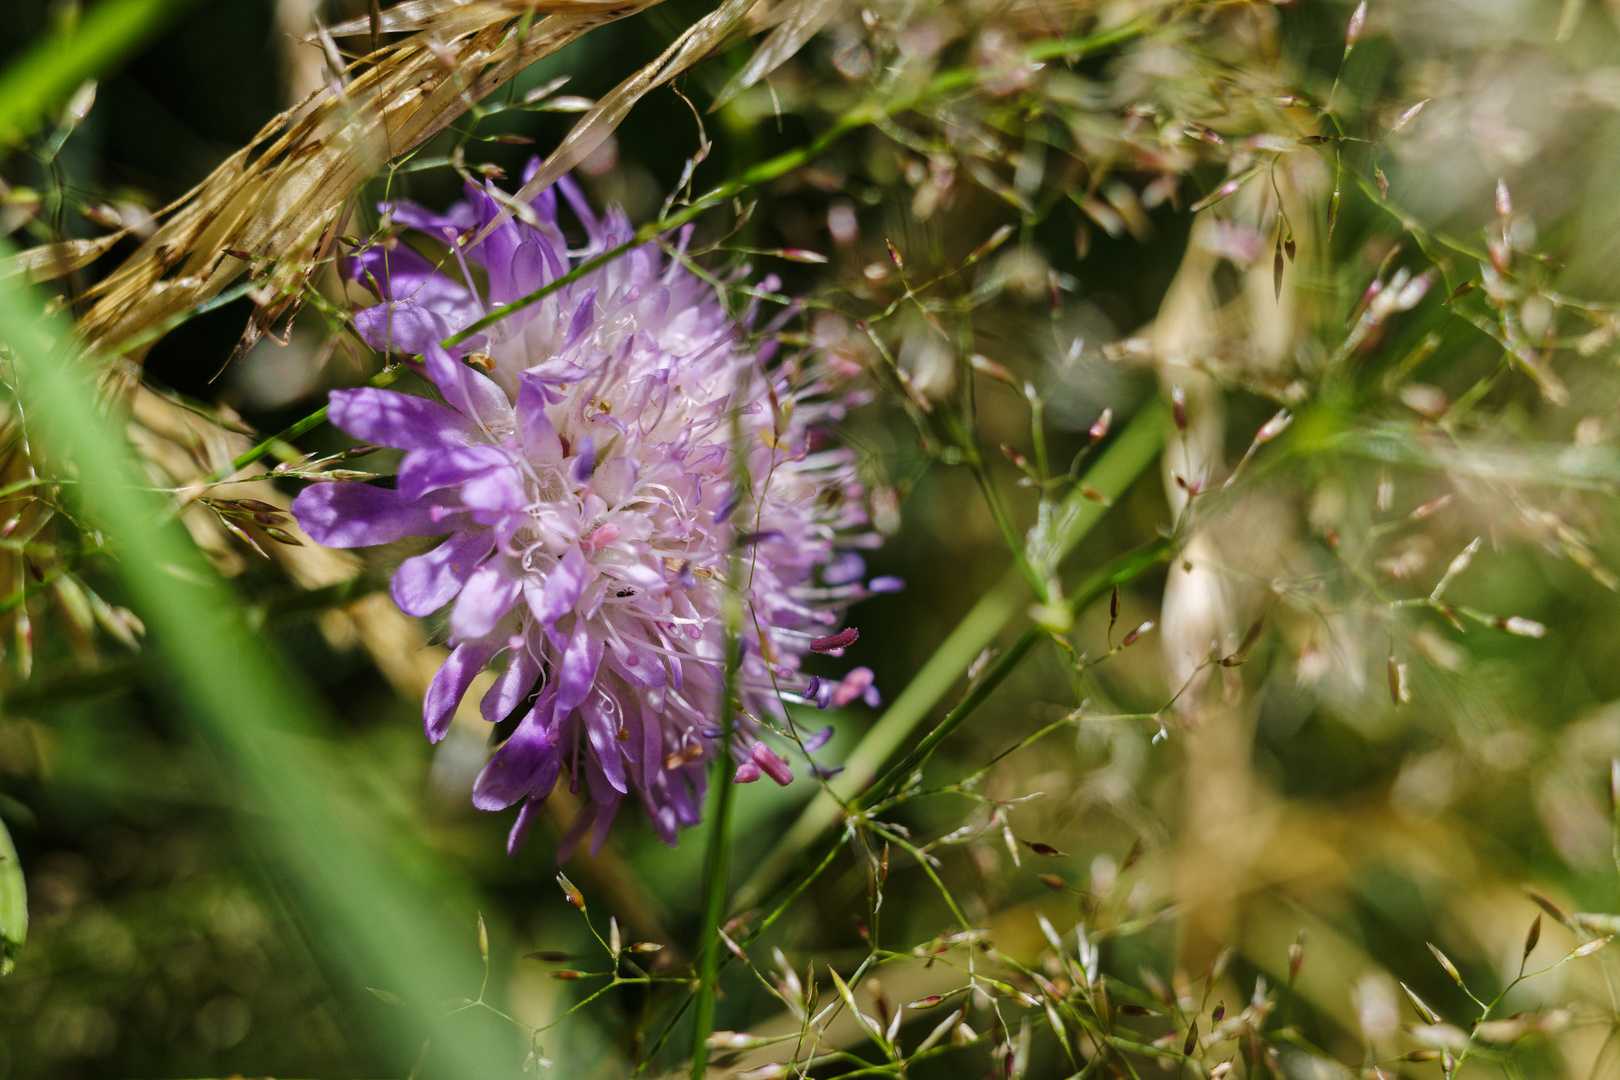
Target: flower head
(604, 462)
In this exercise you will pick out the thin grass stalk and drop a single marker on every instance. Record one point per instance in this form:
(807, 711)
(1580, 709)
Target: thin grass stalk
(717, 859)
(341, 858)
(1125, 459)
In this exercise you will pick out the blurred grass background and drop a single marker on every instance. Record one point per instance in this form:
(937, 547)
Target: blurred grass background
(167, 941)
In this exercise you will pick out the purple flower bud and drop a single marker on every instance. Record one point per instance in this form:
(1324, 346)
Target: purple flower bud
(886, 584)
(771, 764)
(746, 773)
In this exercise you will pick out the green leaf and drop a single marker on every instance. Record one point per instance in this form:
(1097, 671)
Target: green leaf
(13, 903)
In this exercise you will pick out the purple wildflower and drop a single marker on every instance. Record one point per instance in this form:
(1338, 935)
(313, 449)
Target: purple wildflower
(586, 489)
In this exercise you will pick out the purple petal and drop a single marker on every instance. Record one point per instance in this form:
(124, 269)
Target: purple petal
(496, 491)
(585, 463)
(577, 672)
(540, 441)
(846, 568)
(853, 686)
(561, 590)
(488, 594)
(576, 829)
(450, 685)
(457, 219)
(526, 765)
(520, 828)
(345, 514)
(512, 685)
(602, 729)
(727, 505)
(472, 392)
(584, 315)
(402, 421)
(886, 584)
(582, 210)
(818, 740)
(402, 326)
(424, 584)
(607, 800)
(402, 274)
(423, 471)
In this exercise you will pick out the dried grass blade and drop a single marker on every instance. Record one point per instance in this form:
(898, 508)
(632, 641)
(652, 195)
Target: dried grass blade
(802, 23)
(50, 261)
(596, 125)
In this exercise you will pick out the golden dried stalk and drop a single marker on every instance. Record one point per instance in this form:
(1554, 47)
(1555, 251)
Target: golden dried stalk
(277, 206)
(280, 198)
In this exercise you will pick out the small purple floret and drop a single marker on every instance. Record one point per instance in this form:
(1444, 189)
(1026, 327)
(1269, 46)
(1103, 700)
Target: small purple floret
(817, 740)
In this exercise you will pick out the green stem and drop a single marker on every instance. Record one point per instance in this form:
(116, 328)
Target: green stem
(287, 435)
(864, 115)
(716, 872)
(717, 861)
(1125, 459)
(1123, 569)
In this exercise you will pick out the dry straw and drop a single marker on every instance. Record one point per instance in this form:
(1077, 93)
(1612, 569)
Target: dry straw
(276, 209)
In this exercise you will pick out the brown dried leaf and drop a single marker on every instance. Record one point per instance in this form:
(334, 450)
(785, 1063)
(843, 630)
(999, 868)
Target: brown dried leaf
(50, 261)
(282, 197)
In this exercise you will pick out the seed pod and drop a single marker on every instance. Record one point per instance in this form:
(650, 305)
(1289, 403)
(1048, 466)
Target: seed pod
(1274, 427)
(1445, 963)
(1099, 429)
(1532, 937)
(1358, 23)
